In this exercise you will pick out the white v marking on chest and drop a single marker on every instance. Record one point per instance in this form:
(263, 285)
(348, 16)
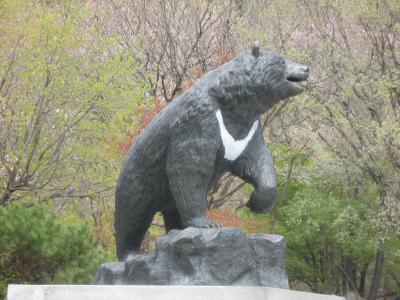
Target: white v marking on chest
(233, 148)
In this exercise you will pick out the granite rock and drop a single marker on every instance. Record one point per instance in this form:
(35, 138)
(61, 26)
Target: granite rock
(199, 256)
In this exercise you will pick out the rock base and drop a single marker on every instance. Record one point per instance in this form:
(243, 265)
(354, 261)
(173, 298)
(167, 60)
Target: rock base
(215, 256)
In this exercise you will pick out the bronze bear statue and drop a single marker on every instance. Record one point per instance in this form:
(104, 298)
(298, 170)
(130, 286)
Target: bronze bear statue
(210, 129)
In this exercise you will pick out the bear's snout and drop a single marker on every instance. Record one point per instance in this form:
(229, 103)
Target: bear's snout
(296, 72)
(296, 75)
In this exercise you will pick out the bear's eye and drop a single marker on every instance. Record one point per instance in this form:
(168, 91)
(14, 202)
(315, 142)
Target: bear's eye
(282, 62)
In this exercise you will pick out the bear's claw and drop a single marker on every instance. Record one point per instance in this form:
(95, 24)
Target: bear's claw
(202, 222)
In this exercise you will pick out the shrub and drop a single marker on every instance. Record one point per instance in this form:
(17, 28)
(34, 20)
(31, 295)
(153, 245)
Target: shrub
(34, 248)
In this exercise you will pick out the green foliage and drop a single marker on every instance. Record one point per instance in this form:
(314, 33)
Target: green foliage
(329, 218)
(248, 189)
(35, 248)
(327, 232)
(253, 223)
(68, 96)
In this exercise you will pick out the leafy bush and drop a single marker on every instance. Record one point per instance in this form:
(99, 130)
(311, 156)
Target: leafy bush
(35, 248)
(331, 240)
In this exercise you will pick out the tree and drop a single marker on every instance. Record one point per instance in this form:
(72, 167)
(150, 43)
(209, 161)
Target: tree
(332, 239)
(68, 94)
(180, 38)
(35, 249)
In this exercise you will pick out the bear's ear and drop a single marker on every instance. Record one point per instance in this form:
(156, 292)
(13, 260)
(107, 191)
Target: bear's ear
(255, 50)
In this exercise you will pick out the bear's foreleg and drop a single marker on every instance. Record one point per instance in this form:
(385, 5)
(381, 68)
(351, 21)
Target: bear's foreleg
(190, 166)
(256, 167)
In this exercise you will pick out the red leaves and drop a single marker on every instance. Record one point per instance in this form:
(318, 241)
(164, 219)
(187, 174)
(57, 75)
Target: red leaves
(227, 218)
(144, 115)
(223, 56)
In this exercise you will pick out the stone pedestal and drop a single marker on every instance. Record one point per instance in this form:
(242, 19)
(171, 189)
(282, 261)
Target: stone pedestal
(126, 292)
(215, 256)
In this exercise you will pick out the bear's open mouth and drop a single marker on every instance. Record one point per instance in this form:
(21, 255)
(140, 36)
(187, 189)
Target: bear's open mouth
(297, 75)
(299, 80)
(295, 79)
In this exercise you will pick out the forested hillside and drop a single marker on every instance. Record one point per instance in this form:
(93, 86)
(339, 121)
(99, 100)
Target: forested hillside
(79, 80)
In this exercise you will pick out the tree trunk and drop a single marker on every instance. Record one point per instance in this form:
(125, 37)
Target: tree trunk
(6, 197)
(350, 270)
(379, 260)
(363, 275)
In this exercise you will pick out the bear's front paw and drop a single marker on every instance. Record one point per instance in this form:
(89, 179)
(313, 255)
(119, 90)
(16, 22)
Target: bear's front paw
(262, 199)
(201, 222)
(257, 208)
(260, 203)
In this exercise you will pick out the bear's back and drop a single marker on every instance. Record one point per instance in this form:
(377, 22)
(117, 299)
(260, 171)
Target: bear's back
(190, 116)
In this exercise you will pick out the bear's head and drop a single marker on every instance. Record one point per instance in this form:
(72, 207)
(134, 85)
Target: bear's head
(274, 77)
(259, 79)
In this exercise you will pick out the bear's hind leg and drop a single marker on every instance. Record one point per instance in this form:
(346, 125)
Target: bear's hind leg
(129, 241)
